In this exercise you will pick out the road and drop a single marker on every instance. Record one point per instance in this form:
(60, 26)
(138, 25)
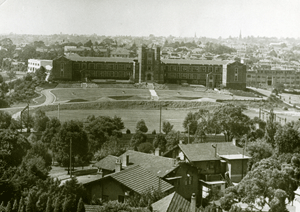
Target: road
(50, 99)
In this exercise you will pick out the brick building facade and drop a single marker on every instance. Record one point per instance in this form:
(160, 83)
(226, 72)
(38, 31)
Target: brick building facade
(149, 67)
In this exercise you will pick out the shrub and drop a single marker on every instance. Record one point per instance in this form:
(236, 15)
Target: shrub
(154, 132)
(128, 131)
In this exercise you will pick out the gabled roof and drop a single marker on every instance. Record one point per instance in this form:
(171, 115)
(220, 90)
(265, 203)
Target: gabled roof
(206, 152)
(107, 163)
(100, 59)
(172, 202)
(158, 165)
(139, 180)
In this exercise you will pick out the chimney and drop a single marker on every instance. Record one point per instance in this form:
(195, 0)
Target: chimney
(118, 165)
(100, 172)
(157, 151)
(216, 149)
(125, 160)
(180, 141)
(234, 141)
(193, 203)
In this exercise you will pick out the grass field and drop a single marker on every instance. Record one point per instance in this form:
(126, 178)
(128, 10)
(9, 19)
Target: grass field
(94, 94)
(129, 117)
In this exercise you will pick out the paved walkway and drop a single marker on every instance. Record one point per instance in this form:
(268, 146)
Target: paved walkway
(153, 93)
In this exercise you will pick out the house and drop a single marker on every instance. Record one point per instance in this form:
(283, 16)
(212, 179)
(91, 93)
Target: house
(124, 183)
(182, 176)
(34, 64)
(217, 164)
(120, 52)
(175, 203)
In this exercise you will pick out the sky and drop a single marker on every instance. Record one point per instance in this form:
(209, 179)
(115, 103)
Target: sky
(184, 18)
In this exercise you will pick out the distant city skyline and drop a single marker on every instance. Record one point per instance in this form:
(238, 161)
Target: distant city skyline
(206, 18)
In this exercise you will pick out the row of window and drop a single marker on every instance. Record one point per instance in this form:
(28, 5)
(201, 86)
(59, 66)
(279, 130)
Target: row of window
(278, 77)
(187, 76)
(92, 66)
(108, 73)
(193, 68)
(275, 72)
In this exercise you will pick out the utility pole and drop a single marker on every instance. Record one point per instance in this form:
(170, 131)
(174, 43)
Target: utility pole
(159, 117)
(71, 157)
(58, 111)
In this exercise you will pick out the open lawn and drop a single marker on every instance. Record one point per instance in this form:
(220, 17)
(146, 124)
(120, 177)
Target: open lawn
(190, 95)
(129, 117)
(94, 94)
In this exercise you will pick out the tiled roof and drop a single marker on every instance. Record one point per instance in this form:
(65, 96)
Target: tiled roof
(158, 165)
(140, 180)
(101, 59)
(172, 202)
(120, 51)
(92, 208)
(194, 62)
(107, 163)
(205, 151)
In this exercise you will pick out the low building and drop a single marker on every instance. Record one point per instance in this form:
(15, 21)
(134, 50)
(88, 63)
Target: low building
(124, 183)
(218, 164)
(34, 64)
(182, 176)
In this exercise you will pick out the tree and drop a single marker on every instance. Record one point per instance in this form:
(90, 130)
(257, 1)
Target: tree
(141, 126)
(167, 127)
(266, 184)
(146, 147)
(80, 207)
(173, 139)
(8, 207)
(259, 150)
(190, 122)
(70, 131)
(40, 120)
(279, 87)
(271, 128)
(160, 142)
(287, 139)
(11, 74)
(110, 147)
(52, 128)
(137, 139)
(49, 207)
(1, 78)
(100, 128)
(41, 73)
(231, 120)
(14, 147)
(5, 120)
(15, 206)
(40, 149)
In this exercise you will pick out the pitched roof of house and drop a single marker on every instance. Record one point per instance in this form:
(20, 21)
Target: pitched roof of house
(172, 202)
(120, 51)
(205, 151)
(107, 163)
(139, 180)
(158, 165)
(92, 208)
(101, 59)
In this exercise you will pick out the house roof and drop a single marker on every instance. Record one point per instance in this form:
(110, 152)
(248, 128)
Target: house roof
(139, 180)
(172, 202)
(158, 165)
(120, 51)
(205, 151)
(107, 163)
(92, 208)
(100, 59)
(194, 62)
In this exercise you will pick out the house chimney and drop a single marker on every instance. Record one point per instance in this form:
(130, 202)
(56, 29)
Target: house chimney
(157, 151)
(193, 203)
(100, 172)
(118, 165)
(216, 149)
(125, 160)
(234, 141)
